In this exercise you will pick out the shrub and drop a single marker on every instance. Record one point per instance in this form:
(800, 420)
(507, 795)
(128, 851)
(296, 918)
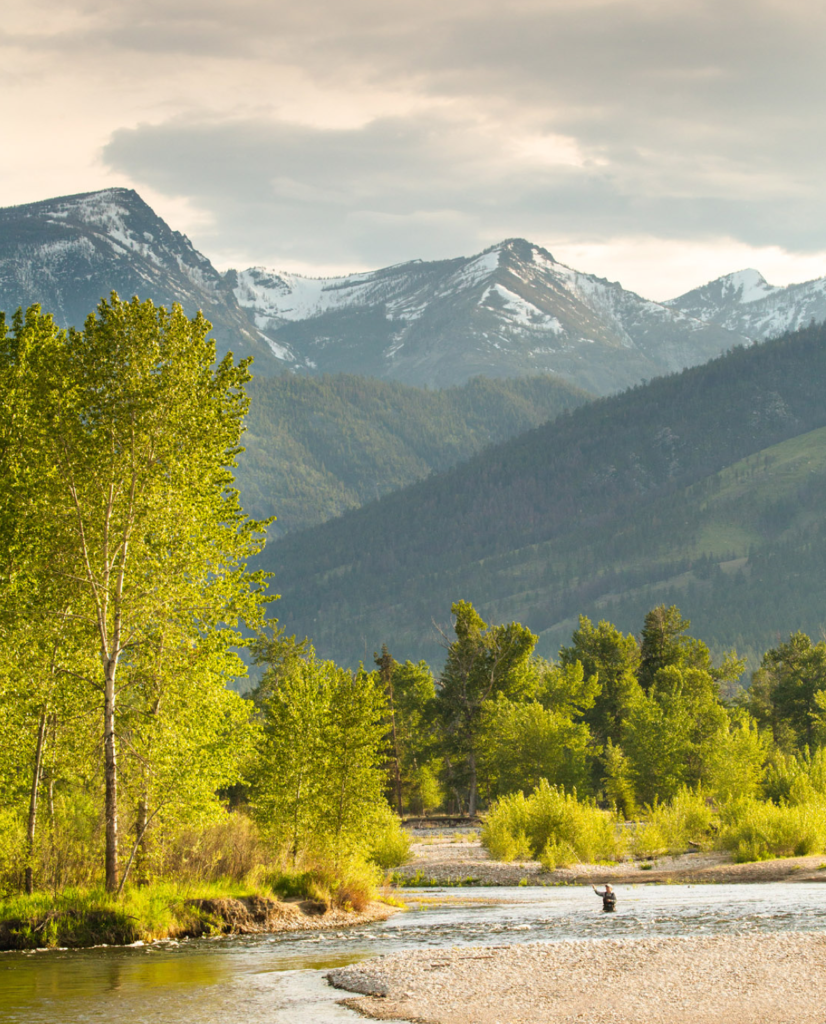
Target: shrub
(390, 845)
(759, 831)
(504, 830)
(350, 885)
(671, 827)
(550, 824)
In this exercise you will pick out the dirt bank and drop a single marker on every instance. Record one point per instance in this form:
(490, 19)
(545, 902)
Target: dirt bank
(756, 979)
(451, 860)
(72, 928)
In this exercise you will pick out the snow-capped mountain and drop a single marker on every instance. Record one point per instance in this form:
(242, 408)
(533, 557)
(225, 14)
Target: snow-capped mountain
(68, 253)
(746, 303)
(509, 311)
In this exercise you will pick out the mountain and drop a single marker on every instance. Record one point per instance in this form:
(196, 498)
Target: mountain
(317, 446)
(510, 311)
(747, 304)
(68, 253)
(672, 491)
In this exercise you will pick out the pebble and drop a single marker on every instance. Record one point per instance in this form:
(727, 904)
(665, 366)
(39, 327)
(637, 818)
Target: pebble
(742, 979)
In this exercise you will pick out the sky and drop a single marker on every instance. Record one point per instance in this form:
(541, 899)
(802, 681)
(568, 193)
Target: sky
(660, 143)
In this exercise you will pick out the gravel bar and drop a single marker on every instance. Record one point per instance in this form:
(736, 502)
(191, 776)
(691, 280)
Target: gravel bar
(720, 979)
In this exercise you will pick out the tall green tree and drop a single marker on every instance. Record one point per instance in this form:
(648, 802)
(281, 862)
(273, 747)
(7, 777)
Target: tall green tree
(321, 769)
(482, 663)
(613, 660)
(133, 431)
(788, 692)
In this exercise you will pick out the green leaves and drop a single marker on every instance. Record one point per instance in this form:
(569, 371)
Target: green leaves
(120, 521)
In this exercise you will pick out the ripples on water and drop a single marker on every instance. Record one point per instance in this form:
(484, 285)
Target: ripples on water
(276, 979)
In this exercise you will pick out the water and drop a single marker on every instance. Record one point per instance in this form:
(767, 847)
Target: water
(279, 979)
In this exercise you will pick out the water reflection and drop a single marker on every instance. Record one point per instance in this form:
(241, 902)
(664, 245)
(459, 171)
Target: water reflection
(277, 978)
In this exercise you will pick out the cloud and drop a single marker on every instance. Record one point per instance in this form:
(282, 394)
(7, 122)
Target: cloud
(363, 132)
(436, 185)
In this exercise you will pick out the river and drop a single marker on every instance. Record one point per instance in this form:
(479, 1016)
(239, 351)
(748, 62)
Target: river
(280, 979)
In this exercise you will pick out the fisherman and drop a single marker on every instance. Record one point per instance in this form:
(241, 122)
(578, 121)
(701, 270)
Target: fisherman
(609, 898)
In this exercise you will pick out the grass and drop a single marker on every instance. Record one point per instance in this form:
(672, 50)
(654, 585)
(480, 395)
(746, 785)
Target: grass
(88, 917)
(78, 917)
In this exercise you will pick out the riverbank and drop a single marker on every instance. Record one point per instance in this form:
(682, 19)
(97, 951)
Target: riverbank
(460, 858)
(95, 920)
(755, 979)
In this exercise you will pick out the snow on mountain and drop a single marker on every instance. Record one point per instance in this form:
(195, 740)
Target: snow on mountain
(511, 310)
(508, 311)
(68, 253)
(746, 303)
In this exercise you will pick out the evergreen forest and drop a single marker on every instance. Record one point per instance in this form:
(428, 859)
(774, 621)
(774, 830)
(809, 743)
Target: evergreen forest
(703, 489)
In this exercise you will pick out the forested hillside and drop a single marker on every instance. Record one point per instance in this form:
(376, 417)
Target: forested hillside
(318, 446)
(622, 502)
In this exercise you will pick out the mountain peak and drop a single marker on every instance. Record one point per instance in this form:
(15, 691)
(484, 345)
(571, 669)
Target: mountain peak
(69, 252)
(747, 285)
(522, 249)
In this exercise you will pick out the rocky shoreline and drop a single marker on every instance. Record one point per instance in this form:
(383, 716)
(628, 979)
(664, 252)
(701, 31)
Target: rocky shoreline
(456, 859)
(754, 979)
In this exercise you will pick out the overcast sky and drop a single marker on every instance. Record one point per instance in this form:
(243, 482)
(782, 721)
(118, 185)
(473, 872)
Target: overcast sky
(660, 143)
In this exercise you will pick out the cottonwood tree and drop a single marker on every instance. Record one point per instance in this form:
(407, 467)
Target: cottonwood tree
(132, 433)
(482, 663)
(321, 769)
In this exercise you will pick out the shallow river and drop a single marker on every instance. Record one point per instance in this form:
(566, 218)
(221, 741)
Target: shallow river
(279, 979)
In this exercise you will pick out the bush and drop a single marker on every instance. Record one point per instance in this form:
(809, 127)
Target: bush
(504, 830)
(390, 846)
(671, 827)
(350, 885)
(759, 831)
(229, 848)
(550, 824)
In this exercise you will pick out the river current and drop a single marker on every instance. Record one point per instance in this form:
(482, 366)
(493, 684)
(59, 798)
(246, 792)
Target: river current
(280, 978)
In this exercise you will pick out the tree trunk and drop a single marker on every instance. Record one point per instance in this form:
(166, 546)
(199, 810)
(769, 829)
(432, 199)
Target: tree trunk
(141, 823)
(111, 772)
(471, 796)
(38, 763)
(397, 775)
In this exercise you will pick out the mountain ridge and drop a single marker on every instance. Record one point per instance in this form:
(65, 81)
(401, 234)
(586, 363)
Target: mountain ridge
(542, 526)
(746, 303)
(69, 252)
(509, 310)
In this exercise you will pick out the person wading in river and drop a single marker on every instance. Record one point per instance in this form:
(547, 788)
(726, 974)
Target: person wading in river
(609, 897)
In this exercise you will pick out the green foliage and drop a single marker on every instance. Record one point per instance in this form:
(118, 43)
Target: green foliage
(671, 731)
(350, 884)
(735, 763)
(788, 692)
(523, 742)
(482, 663)
(617, 782)
(551, 823)
(318, 782)
(389, 844)
(687, 820)
(410, 695)
(126, 570)
(755, 830)
(613, 661)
